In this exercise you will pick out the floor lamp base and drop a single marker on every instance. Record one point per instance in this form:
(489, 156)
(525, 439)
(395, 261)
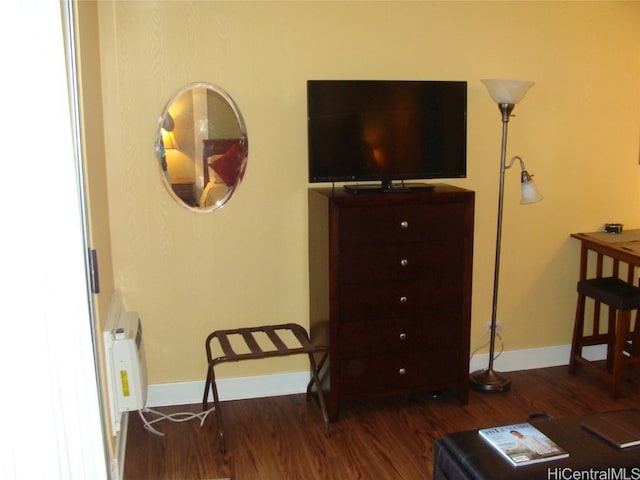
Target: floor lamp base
(489, 381)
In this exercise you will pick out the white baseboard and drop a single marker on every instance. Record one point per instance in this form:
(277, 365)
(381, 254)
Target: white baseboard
(238, 388)
(186, 393)
(527, 359)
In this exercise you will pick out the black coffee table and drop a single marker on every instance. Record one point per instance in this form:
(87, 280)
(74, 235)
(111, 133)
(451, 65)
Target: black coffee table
(465, 455)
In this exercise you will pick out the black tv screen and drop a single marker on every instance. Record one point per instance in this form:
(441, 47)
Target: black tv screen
(386, 130)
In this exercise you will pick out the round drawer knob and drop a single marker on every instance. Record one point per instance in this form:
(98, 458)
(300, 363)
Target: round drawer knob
(402, 371)
(404, 262)
(403, 336)
(403, 299)
(404, 224)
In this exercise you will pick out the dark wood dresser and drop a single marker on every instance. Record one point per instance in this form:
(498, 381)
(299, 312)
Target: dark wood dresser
(390, 290)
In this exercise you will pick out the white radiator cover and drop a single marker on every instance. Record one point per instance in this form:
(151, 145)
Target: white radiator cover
(125, 362)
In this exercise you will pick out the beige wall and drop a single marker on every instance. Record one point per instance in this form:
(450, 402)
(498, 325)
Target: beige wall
(187, 274)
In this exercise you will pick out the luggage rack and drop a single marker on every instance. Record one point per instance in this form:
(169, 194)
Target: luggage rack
(256, 352)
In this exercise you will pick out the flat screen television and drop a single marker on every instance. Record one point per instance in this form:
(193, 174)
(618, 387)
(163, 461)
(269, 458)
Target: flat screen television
(386, 130)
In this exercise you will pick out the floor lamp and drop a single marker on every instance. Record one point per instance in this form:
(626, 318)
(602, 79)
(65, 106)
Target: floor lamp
(506, 93)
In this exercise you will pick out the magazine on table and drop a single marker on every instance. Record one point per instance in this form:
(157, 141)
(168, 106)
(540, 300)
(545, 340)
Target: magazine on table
(622, 428)
(522, 444)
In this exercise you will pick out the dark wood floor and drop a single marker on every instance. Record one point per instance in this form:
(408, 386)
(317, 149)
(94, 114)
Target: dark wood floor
(281, 438)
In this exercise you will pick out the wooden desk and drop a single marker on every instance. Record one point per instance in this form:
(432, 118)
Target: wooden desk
(616, 255)
(619, 247)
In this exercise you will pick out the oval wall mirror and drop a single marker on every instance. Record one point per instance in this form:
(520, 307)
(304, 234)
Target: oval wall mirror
(201, 146)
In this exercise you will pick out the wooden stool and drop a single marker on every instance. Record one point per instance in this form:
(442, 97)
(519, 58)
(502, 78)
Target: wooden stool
(622, 344)
(256, 352)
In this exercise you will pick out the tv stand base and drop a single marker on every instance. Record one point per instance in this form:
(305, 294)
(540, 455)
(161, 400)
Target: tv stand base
(389, 188)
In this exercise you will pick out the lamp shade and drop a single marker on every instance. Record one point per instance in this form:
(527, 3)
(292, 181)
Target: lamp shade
(507, 91)
(528, 192)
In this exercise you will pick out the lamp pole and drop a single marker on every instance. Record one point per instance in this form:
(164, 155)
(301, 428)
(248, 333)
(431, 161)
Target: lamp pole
(506, 93)
(489, 380)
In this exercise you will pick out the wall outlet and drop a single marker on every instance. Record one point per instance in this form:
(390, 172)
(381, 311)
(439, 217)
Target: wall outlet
(499, 329)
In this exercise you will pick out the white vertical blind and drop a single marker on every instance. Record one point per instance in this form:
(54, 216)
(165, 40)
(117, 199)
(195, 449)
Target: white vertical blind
(51, 426)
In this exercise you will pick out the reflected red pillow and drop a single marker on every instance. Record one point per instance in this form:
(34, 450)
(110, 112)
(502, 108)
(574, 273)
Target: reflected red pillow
(227, 167)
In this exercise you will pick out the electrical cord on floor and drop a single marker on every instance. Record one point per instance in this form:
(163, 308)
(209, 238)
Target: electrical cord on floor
(174, 417)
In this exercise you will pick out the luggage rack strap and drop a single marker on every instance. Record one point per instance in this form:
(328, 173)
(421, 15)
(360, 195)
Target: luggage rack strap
(271, 331)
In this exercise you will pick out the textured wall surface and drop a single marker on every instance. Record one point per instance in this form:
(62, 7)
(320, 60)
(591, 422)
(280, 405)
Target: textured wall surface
(187, 274)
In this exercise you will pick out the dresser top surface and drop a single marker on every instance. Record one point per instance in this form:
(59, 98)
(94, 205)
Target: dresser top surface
(436, 192)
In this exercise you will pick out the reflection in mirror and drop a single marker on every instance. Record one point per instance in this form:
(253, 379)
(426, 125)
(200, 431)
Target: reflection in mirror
(202, 147)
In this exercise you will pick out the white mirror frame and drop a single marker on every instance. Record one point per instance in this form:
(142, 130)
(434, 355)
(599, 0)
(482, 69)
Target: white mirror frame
(201, 146)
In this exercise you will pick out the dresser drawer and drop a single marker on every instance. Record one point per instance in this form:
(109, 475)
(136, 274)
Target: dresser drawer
(362, 339)
(401, 223)
(399, 373)
(373, 301)
(400, 262)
